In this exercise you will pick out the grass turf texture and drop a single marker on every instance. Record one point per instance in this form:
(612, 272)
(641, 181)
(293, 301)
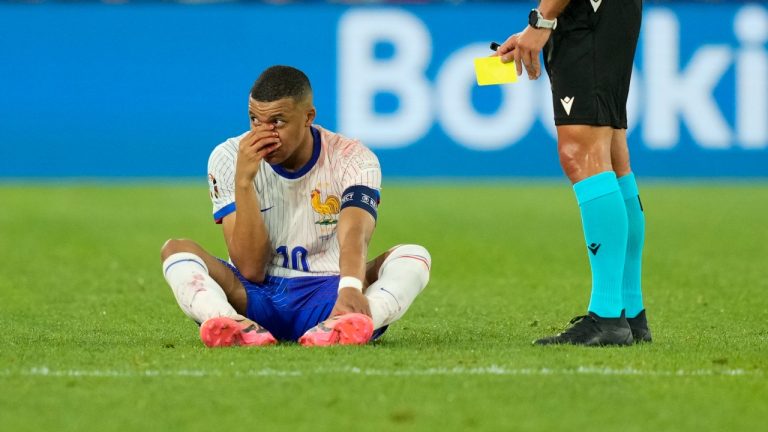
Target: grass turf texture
(92, 338)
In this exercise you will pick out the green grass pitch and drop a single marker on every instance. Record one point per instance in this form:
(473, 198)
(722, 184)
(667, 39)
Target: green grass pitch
(91, 337)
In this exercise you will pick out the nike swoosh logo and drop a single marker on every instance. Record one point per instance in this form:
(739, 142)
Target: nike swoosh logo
(265, 209)
(596, 4)
(567, 103)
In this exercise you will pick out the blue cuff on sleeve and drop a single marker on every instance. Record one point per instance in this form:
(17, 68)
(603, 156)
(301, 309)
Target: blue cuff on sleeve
(227, 209)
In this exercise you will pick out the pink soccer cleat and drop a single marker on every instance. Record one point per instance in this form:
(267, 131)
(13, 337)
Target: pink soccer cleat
(346, 329)
(225, 332)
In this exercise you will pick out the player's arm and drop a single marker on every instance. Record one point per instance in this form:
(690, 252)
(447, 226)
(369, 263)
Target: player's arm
(354, 232)
(244, 230)
(361, 180)
(523, 48)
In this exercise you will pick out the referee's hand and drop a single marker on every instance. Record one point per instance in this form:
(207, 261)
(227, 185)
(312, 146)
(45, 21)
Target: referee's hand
(524, 48)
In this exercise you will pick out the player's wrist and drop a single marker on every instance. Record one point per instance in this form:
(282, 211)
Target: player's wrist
(244, 184)
(350, 282)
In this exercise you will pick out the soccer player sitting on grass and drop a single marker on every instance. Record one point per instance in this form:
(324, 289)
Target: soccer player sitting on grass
(298, 206)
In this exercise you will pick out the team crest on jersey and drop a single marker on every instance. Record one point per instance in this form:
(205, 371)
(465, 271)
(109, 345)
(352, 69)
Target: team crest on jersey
(213, 186)
(328, 208)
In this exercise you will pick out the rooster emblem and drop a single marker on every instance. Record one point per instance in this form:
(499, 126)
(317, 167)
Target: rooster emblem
(331, 206)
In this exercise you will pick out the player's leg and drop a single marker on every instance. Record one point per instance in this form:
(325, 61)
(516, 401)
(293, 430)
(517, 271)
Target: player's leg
(308, 306)
(204, 287)
(395, 279)
(211, 294)
(631, 284)
(585, 156)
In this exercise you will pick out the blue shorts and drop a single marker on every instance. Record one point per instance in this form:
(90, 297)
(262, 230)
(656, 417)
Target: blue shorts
(288, 307)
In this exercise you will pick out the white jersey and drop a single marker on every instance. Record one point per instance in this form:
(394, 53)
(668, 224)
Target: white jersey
(300, 208)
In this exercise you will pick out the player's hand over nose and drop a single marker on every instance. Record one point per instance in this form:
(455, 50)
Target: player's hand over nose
(351, 300)
(256, 144)
(524, 48)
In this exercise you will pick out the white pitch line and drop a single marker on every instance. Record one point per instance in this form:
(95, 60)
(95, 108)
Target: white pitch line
(492, 370)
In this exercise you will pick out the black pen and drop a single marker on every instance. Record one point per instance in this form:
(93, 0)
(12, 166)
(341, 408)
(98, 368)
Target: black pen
(494, 46)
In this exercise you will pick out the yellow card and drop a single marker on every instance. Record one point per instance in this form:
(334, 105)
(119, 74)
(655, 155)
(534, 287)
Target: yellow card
(490, 71)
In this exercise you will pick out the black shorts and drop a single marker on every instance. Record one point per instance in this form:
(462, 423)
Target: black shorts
(589, 60)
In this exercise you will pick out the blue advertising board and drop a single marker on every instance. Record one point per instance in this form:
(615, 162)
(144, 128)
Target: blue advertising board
(92, 90)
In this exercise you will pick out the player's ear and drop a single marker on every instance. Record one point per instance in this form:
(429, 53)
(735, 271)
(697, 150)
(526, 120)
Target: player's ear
(311, 114)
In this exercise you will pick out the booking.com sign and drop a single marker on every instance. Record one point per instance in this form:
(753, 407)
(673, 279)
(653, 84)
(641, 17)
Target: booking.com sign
(718, 96)
(93, 90)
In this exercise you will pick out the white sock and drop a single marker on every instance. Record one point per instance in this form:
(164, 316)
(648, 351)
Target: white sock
(199, 296)
(402, 276)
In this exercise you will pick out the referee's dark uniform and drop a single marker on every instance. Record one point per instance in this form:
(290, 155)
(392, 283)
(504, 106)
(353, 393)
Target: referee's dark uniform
(589, 61)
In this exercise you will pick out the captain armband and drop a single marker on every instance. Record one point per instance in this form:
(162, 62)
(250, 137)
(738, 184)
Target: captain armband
(362, 197)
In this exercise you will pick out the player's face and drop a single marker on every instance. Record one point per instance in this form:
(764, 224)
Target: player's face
(291, 120)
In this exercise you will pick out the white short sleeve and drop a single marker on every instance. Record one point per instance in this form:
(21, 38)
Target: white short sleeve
(361, 169)
(221, 179)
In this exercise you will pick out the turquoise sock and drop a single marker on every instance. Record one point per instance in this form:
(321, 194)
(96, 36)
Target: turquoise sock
(604, 219)
(631, 288)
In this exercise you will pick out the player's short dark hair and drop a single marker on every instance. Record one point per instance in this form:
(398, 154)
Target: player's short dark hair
(279, 82)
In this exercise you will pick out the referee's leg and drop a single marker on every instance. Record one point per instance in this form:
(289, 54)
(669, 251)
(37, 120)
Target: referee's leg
(584, 150)
(585, 156)
(631, 287)
(620, 153)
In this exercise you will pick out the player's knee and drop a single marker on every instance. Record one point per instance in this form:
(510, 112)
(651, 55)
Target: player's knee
(415, 251)
(173, 246)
